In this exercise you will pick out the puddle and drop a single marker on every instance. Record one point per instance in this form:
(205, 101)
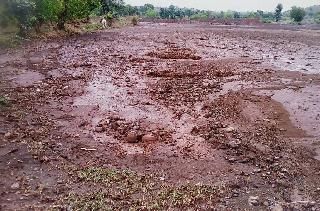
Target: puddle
(113, 98)
(230, 86)
(303, 107)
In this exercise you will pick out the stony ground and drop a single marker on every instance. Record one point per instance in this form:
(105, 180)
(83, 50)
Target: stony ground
(163, 116)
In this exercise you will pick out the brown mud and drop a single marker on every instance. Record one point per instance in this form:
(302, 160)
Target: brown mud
(228, 107)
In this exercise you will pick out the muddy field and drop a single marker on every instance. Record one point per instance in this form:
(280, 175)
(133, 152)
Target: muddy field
(163, 116)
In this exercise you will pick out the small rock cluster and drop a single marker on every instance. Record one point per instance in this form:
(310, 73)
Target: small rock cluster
(131, 132)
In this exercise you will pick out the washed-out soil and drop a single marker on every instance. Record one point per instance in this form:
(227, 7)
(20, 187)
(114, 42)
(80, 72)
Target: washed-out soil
(206, 116)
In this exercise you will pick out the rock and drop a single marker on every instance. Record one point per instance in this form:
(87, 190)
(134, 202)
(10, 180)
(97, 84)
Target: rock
(277, 207)
(15, 185)
(98, 129)
(35, 60)
(257, 170)
(149, 138)
(9, 135)
(253, 200)
(231, 160)
(234, 143)
(229, 129)
(132, 137)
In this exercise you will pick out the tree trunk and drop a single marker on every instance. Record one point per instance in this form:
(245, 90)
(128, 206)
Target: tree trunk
(63, 16)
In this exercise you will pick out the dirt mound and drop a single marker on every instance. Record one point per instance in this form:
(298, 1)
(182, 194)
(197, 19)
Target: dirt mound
(189, 82)
(174, 52)
(119, 128)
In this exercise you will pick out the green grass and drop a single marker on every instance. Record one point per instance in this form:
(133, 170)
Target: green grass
(92, 27)
(4, 101)
(109, 189)
(9, 40)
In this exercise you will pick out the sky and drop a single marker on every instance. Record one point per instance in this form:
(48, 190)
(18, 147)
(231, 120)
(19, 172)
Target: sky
(237, 5)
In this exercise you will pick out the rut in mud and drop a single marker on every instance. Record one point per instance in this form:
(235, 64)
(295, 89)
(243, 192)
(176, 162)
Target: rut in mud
(163, 116)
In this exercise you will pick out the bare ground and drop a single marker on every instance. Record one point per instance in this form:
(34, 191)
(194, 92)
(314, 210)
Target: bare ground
(231, 114)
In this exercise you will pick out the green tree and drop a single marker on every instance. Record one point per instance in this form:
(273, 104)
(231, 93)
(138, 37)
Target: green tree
(145, 8)
(45, 11)
(22, 10)
(236, 15)
(278, 12)
(151, 13)
(78, 9)
(164, 13)
(228, 15)
(317, 17)
(297, 14)
(111, 6)
(63, 15)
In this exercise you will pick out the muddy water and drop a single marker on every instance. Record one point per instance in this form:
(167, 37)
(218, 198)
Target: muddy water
(303, 106)
(123, 100)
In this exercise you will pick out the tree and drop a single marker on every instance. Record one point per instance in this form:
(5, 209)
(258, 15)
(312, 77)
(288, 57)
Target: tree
(145, 8)
(236, 15)
(164, 13)
(278, 13)
(63, 15)
(317, 17)
(45, 11)
(297, 14)
(228, 15)
(22, 10)
(111, 6)
(151, 13)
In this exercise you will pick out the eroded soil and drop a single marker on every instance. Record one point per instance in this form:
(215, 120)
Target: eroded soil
(163, 116)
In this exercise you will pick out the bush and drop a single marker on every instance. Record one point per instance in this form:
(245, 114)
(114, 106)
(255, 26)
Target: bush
(317, 18)
(93, 27)
(134, 20)
(297, 14)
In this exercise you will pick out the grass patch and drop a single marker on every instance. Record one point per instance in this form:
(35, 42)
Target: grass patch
(92, 27)
(4, 101)
(9, 40)
(109, 189)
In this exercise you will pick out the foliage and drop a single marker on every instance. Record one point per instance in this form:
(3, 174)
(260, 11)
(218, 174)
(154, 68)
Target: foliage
(111, 6)
(317, 18)
(28, 15)
(127, 190)
(93, 27)
(3, 101)
(199, 16)
(278, 13)
(229, 15)
(78, 9)
(151, 13)
(297, 14)
(135, 20)
(22, 10)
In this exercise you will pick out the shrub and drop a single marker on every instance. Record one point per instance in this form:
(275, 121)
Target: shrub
(317, 18)
(134, 20)
(92, 27)
(297, 14)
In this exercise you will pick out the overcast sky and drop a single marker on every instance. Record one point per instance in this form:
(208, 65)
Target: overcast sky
(218, 5)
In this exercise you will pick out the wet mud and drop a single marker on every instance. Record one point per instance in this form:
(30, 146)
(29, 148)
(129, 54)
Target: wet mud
(192, 103)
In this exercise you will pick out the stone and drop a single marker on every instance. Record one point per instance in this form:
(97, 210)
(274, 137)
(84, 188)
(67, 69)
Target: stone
(15, 185)
(229, 129)
(99, 129)
(35, 60)
(132, 137)
(148, 138)
(253, 200)
(257, 170)
(234, 143)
